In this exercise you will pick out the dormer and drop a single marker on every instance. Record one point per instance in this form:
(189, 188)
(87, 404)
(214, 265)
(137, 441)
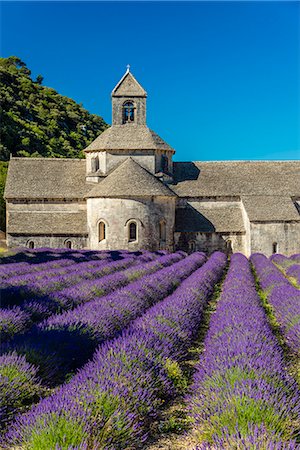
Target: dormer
(128, 101)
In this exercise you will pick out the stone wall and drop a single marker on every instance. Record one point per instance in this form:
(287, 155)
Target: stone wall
(117, 214)
(53, 241)
(146, 159)
(285, 234)
(210, 242)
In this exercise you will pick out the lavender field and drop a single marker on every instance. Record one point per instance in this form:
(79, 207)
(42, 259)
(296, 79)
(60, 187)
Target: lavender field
(138, 350)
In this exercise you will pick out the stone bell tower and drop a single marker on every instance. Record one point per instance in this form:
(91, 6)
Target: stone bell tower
(128, 136)
(128, 101)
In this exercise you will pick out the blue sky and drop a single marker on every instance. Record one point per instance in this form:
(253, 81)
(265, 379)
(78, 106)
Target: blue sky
(223, 78)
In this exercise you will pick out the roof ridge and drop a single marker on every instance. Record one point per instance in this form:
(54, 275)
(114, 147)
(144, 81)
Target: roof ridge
(45, 158)
(141, 183)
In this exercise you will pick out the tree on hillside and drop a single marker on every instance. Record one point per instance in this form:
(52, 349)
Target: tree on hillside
(37, 121)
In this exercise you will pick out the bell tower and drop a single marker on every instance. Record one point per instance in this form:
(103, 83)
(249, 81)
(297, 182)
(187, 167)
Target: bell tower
(128, 101)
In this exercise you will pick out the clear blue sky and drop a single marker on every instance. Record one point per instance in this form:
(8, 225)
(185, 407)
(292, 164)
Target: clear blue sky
(223, 78)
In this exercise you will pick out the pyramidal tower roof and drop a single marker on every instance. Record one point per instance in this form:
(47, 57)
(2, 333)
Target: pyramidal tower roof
(130, 179)
(128, 86)
(119, 137)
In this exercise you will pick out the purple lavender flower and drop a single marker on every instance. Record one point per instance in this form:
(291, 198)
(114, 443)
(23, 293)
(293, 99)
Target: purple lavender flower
(111, 399)
(241, 383)
(18, 385)
(13, 321)
(282, 296)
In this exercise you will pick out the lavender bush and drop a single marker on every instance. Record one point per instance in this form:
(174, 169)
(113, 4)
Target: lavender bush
(18, 385)
(108, 404)
(13, 321)
(294, 272)
(241, 383)
(282, 296)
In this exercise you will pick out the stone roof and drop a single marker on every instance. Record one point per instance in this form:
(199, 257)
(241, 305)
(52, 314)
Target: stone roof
(209, 217)
(267, 208)
(230, 178)
(128, 137)
(45, 178)
(47, 222)
(129, 179)
(129, 86)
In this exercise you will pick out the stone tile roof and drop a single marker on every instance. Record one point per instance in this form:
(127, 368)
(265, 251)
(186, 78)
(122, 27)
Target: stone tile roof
(47, 222)
(129, 86)
(128, 137)
(130, 179)
(46, 178)
(267, 208)
(229, 178)
(210, 217)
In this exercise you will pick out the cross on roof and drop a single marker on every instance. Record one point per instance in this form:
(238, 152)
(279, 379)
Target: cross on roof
(128, 67)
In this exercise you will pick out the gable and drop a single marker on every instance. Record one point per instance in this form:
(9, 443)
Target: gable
(128, 86)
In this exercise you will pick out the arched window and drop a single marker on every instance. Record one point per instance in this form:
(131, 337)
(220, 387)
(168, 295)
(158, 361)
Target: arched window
(30, 244)
(132, 232)
(275, 247)
(102, 231)
(68, 244)
(162, 231)
(128, 112)
(229, 247)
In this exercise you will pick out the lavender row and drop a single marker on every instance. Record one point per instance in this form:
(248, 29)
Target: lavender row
(19, 386)
(86, 291)
(103, 316)
(17, 288)
(14, 269)
(293, 272)
(110, 401)
(20, 318)
(282, 296)
(242, 392)
(18, 269)
(64, 342)
(34, 257)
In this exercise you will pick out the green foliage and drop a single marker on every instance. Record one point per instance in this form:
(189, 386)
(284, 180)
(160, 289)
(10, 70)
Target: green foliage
(3, 173)
(36, 121)
(175, 374)
(60, 432)
(242, 412)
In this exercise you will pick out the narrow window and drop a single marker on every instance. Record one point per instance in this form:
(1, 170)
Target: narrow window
(132, 232)
(31, 244)
(102, 231)
(228, 247)
(192, 246)
(95, 164)
(68, 244)
(128, 112)
(162, 231)
(164, 163)
(275, 247)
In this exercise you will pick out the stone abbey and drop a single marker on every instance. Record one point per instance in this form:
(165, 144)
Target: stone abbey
(129, 194)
